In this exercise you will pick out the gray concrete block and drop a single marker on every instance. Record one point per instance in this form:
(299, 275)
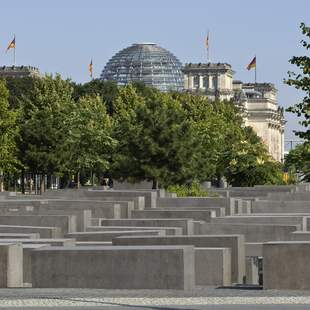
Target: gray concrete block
(11, 265)
(251, 232)
(265, 206)
(193, 202)
(299, 196)
(286, 265)
(251, 269)
(213, 266)
(300, 236)
(52, 242)
(109, 235)
(150, 197)
(174, 231)
(27, 261)
(83, 217)
(197, 227)
(93, 243)
(45, 232)
(100, 208)
(197, 215)
(235, 242)
(277, 219)
(219, 211)
(158, 267)
(67, 223)
(18, 236)
(186, 224)
(254, 249)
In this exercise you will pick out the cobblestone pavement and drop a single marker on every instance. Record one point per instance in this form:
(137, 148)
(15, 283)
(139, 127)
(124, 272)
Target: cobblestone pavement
(204, 307)
(205, 291)
(200, 298)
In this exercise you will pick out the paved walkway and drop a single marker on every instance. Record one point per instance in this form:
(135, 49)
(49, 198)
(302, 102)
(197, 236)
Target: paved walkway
(200, 298)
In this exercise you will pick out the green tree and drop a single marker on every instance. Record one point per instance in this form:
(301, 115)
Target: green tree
(87, 144)
(155, 138)
(43, 125)
(107, 90)
(298, 160)
(20, 89)
(8, 133)
(250, 163)
(301, 81)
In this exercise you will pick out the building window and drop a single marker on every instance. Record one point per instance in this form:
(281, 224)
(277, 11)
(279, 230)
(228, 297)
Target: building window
(206, 82)
(196, 81)
(214, 82)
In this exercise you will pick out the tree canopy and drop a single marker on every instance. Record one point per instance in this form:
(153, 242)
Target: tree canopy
(131, 133)
(301, 81)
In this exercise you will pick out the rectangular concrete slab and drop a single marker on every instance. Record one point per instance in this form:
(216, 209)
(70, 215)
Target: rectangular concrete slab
(213, 266)
(109, 235)
(197, 215)
(254, 249)
(168, 230)
(67, 223)
(251, 269)
(11, 265)
(150, 267)
(251, 232)
(235, 242)
(186, 224)
(27, 261)
(264, 219)
(300, 236)
(18, 236)
(286, 265)
(44, 232)
(51, 242)
(265, 206)
(219, 211)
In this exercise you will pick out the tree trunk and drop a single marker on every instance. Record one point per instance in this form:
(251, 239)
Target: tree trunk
(78, 180)
(42, 184)
(22, 181)
(155, 184)
(1, 182)
(30, 185)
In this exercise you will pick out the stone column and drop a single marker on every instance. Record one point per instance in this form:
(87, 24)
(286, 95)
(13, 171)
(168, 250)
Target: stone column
(190, 82)
(201, 86)
(277, 143)
(282, 144)
(186, 81)
(210, 82)
(270, 148)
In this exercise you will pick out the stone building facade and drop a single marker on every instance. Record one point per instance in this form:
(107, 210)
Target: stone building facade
(257, 100)
(19, 71)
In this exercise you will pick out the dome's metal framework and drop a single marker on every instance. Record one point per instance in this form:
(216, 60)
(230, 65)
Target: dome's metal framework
(146, 62)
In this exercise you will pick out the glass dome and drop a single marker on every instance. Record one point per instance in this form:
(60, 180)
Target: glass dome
(146, 62)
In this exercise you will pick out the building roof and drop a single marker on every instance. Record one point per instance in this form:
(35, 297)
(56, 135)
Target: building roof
(19, 71)
(146, 62)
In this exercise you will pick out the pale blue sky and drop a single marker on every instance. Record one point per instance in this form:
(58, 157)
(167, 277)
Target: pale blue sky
(62, 36)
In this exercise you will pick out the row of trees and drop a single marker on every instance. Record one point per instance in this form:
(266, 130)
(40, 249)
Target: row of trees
(51, 126)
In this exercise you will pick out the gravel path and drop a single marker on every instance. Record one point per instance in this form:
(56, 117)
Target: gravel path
(147, 298)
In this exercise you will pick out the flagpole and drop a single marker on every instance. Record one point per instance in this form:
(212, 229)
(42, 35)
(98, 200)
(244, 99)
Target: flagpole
(208, 49)
(14, 55)
(255, 67)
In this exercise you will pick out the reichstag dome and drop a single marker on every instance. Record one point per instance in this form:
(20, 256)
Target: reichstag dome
(146, 62)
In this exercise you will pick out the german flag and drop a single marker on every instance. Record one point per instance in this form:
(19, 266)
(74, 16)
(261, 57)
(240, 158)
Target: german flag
(11, 45)
(252, 64)
(207, 41)
(90, 68)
